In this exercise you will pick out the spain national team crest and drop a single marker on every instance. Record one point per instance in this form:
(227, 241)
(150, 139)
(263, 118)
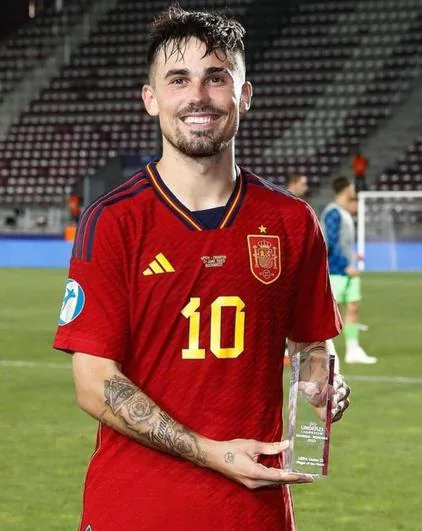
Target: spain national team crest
(264, 257)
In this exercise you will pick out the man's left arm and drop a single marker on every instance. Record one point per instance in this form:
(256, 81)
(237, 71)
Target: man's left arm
(314, 375)
(315, 318)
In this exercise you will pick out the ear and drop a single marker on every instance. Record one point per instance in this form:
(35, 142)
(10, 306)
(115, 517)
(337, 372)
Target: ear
(246, 97)
(150, 100)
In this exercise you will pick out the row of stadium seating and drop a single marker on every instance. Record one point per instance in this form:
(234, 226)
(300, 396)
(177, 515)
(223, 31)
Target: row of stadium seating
(375, 76)
(34, 41)
(47, 117)
(407, 170)
(335, 71)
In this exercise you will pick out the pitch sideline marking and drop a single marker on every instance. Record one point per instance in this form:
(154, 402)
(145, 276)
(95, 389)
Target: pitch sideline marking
(358, 378)
(34, 364)
(385, 379)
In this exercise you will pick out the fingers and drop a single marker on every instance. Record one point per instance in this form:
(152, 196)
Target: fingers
(267, 476)
(245, 468)
(282, 477)
(262, 476)
(340, 398)
(339, 410)
(272, 448)
(340, 383)
(340, 395)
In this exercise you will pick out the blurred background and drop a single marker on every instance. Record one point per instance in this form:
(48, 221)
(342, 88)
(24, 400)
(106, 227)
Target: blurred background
(337, 92)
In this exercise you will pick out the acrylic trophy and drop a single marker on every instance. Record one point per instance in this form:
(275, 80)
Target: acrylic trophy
(308, 427)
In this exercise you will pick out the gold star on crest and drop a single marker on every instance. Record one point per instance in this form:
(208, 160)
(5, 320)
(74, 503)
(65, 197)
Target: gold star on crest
(262, 229)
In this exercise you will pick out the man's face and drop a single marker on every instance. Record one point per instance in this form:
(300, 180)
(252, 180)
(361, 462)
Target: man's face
(302, 186)
(197, 99)
(351, 199)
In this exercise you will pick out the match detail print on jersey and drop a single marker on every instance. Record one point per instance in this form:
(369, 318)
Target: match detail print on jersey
(264, 257)
(192, 311)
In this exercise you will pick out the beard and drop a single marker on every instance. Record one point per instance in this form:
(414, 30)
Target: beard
(201, 144)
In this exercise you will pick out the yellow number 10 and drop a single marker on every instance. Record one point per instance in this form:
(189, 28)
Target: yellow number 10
(191, 312)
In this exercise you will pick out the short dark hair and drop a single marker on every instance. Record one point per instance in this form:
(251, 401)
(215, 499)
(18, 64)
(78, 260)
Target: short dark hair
(340, 184)
(175, 25)
(293, 178)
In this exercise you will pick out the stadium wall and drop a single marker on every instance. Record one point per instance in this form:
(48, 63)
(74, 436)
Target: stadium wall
(25, 251)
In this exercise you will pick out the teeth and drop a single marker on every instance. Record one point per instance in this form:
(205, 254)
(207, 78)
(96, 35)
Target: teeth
(197, 120)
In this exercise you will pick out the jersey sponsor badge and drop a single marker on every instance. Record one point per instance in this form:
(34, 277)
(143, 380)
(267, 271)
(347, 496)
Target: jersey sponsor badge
(73, 302)
(264, 257)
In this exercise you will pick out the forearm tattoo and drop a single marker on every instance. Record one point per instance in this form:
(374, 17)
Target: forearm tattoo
(147, 422)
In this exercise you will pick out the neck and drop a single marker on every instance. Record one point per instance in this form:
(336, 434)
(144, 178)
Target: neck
(341, 203)
(198, 183)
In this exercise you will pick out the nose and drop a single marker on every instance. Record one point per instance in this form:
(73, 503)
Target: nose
(199, 92)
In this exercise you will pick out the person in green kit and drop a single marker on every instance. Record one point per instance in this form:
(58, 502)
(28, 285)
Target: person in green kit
(339, 231)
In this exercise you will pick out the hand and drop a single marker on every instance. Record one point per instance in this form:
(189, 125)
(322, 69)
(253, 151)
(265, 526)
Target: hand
(340, 400)
(238, 461)
(315, 392)
(352, 271)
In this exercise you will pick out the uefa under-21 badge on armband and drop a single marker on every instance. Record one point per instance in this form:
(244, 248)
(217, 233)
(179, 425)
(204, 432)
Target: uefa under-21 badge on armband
(73, 302)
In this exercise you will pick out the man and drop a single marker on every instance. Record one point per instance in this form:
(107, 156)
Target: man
(75, 207)
(187, 280)
(360, 167)
(338, 226)
(297, 184)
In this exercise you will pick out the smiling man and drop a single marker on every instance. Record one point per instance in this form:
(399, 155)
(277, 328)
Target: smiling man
(203, 127)
(189, 277)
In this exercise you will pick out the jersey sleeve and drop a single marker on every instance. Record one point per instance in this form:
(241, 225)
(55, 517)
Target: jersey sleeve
(338, 262)
(315, 315)
(94, 316)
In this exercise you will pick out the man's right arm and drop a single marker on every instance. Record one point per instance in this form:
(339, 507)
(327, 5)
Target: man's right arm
(105, 393)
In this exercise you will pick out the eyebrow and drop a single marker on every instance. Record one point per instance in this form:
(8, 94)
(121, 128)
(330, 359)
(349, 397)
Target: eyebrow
(184, 71)
(176, 72)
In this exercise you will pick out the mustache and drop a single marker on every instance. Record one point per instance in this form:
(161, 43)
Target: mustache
(194, 108)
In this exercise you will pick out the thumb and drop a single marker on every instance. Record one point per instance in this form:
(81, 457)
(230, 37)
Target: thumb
(272, 448)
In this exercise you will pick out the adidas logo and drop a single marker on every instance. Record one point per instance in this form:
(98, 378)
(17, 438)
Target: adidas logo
(159, 265)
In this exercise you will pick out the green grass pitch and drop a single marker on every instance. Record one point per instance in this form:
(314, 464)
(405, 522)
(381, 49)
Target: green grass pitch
(376, 458)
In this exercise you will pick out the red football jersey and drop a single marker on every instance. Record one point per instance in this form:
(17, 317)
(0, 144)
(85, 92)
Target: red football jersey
(198, 319)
